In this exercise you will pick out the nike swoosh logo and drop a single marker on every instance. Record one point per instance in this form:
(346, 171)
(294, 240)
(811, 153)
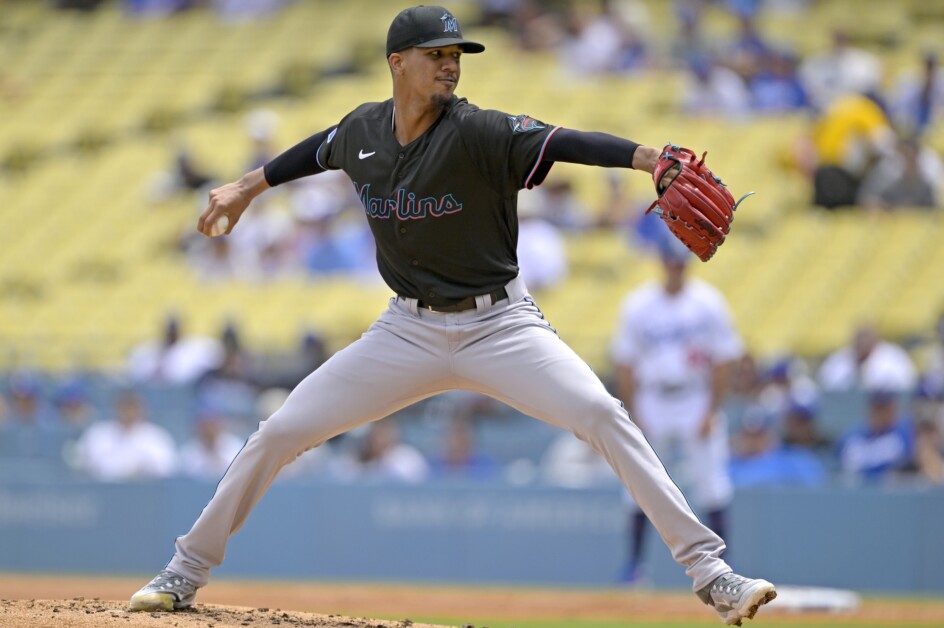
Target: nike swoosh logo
(363, 155)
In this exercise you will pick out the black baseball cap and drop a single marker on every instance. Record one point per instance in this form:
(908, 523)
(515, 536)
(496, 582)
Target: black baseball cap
(427, 27)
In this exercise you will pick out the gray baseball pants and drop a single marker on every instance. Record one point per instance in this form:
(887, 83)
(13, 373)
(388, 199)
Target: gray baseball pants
(507, 351)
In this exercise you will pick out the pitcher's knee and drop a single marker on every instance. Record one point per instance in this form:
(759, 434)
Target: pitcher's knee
(288, 436)
(599, 418)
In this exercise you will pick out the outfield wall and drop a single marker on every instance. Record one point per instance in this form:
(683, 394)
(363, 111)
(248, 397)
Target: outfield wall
(865, 539)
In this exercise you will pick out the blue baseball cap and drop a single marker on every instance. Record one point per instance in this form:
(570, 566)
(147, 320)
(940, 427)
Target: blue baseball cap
(882, 396)
(672, 250)
(929, 388)
(802, 409)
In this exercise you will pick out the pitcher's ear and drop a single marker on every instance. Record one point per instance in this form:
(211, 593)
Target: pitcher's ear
(396, 62)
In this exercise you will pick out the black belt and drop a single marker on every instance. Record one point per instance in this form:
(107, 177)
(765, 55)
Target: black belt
(467, 303)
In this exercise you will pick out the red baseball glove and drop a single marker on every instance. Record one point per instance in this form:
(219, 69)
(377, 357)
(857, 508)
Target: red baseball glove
(693, 202)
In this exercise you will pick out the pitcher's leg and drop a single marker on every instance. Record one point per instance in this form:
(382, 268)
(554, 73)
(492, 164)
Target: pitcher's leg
(528, 367)
(373, 377)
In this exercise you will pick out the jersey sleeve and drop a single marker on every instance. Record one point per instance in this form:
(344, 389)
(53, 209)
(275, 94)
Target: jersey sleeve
(297, 162)
(332, 150)
(508, 149)
(323, 156)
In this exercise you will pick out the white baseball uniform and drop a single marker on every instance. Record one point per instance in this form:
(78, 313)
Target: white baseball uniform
(672, 342)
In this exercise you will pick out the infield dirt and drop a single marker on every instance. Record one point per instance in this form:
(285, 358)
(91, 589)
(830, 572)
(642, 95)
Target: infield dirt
(69, 601)
(82, 613)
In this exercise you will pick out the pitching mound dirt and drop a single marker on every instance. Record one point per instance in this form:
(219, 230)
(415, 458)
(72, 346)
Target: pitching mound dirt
(82, 613)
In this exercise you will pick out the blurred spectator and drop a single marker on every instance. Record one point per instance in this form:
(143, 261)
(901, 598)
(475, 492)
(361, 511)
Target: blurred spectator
(27, 404)
(918, 99)
(621, 211)
(542, 253)
(185, 176)
(800, 429)
(231, 385)
(157, 8)
(215, 260)
(261, 125)
(207, 454)
(246, 10)
(78, 5)
(927, 409)
(759, 460)
(713, 90)
(929, 452)
(868, 363)
(559, 204)
(127, 447)
(500, 13)
(776, 87)
(189, 175)
(691, 42)
(841, 71)
(847, 139)
(908, 178)
(572, 463)
(533, 25)
(460, 457)
(617, 210)
(323, 242)
(28, 423)
(73, 405)
(745, 54)
(786, 382)
(173, 358)
(260, 249)
(286, 370)
(746, 379)
(382, 456)
(882, 445)
(932, 355)
(466, 405)
(604, 39)
(325, 251)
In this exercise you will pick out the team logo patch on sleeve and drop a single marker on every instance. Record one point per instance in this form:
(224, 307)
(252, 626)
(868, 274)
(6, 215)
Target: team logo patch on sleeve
(524, 123)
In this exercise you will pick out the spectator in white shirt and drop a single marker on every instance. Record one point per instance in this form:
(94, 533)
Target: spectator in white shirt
(868, 363)
(384, 457)
(127, 447)
(542, 252)
(207, 455)
(173, 358)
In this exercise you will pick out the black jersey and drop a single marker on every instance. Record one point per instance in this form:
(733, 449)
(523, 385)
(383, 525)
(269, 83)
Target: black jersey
(443, 209)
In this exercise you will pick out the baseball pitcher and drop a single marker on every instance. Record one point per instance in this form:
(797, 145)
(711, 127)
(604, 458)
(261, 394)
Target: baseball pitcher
(438, 178)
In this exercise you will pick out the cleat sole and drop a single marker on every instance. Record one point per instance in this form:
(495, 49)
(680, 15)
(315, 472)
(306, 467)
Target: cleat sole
(153, 602)
(768, 596)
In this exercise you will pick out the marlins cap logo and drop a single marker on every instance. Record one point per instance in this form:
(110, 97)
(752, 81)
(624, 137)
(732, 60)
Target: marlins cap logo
(450, 24)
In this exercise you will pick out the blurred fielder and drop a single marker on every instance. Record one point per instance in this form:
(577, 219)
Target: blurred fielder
(674, 348)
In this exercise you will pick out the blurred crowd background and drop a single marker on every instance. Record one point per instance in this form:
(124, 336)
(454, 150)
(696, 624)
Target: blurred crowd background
(131, 347)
